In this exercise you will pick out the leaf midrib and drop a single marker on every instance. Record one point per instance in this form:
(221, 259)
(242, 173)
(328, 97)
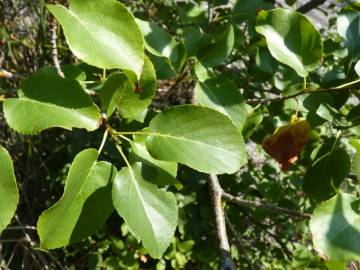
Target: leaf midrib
(189, 140)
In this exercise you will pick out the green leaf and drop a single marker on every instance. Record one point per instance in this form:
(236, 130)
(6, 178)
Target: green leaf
(192, 36)
(357, 68)
(150, 213)
(162, 44)
(253, 120)
(85, 205)
(246, 10)
(47, 100)
(291, 39)
(132, 101)
(9, 194)
(265, 61)
(348, 25)
(335, 228)
(216, 47)
(102, 33)
(224, 96)
(321, 179)
(199, 137)
(163, 173)
(202, 73)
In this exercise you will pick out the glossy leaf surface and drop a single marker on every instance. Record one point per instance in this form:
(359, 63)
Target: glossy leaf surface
(335, 228)
(102, 33)
(9, 194)
(199, 137)
(291, 39)
(84, 206)
(150, 213)
(47, 100)
(223, 96)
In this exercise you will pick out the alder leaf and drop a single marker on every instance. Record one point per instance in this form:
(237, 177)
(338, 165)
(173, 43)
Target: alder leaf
(9, 194)
(223, 96)
(131, 99)
(47, 100)
(199, 137)
(161, 172)
(321, 180)
(215, 47)
(335, 228)
(102, 33)
(291, 39)
(348, 25)
(160, 43)
(150, 213)
(84, 206)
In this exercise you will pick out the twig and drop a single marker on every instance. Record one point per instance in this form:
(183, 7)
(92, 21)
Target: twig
(54, 51)
(32, 244)
(282, 98)
(310, 5)
(216, 193)
(21, 228)
(259, 204)
(238, 243)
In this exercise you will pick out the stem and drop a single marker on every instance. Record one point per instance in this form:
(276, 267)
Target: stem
(103, 140)
(123, 156)
(347, 84)
(258, 204)
(54, 51)
(304, 87)
(216, 193)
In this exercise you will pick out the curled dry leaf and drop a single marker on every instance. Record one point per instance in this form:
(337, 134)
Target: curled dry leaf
(287, 142)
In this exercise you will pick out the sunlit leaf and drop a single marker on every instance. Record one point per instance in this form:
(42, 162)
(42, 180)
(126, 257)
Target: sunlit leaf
(335, 228)
(291, 39)
(9, 195)
(199, 137)
(102, 33)
(84, 206)
(150, 213)
(47, 100)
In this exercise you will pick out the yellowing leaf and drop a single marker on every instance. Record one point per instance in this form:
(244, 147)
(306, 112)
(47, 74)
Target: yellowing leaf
(287, 142)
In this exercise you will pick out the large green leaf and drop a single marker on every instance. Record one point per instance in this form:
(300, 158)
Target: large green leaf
(335, 228)
(47, 100)
(348, 25)
(120, 92)
(102, 33)
(161, 172)
(222, 95)
(150, 213)
(291, 39)
(329, 168)
(199, 137)
(162, 44)
(9, 195)
(216, 47)
(84, 206)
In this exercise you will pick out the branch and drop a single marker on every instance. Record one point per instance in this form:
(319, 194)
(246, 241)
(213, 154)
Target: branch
(238, 243)
(216, 193)
(348, 86)
(54, 51)
(259, 204)
(310, 5)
